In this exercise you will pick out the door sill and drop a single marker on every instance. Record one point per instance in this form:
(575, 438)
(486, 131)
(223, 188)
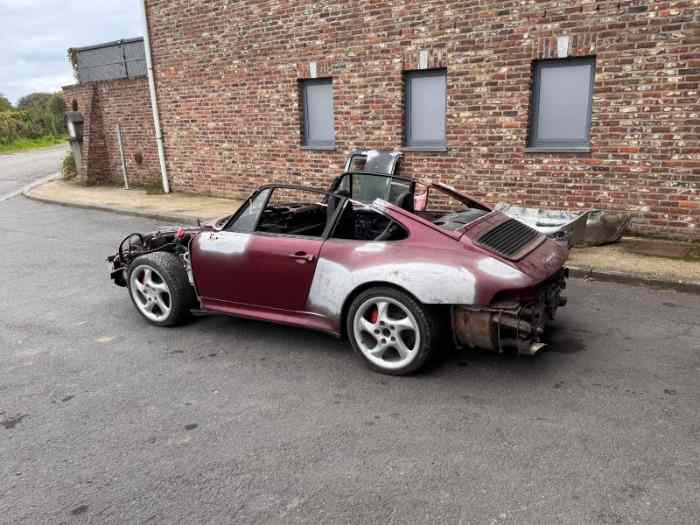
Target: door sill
(301, 319)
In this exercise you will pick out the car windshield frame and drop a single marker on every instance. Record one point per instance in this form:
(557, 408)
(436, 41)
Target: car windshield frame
(339, 183)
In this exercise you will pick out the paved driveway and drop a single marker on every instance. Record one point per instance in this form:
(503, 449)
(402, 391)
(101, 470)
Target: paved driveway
(105, 419)
(19, 169)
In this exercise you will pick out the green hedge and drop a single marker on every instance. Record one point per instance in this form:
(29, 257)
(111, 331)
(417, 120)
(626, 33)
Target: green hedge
(40, 120)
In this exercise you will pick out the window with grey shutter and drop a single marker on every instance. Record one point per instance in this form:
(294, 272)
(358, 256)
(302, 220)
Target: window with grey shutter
(318, 122)
(424, 112)
(562, 96)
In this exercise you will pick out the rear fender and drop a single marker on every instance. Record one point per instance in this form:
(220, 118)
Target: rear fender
(432, 275)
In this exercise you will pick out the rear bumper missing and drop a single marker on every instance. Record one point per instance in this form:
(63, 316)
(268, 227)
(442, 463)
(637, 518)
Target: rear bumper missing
(517, 327)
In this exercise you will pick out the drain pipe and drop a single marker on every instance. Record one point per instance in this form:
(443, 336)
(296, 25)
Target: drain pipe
(154, 99)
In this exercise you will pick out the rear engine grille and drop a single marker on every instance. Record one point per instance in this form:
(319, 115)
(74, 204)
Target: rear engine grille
(508, 238)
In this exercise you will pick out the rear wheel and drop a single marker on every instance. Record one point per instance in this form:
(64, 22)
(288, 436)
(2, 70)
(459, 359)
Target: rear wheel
(159, 288)
(391, 330)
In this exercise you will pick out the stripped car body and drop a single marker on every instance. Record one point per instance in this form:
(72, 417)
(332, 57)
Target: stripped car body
(304, 262)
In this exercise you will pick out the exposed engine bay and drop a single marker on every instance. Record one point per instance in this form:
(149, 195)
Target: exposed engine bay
(137, 244)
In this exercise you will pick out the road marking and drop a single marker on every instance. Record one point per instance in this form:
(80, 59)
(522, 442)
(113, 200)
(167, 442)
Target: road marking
(30, 186)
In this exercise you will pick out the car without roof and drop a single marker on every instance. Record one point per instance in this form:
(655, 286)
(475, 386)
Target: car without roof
(395, 266)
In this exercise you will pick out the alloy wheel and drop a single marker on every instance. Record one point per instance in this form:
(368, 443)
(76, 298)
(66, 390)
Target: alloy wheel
(386, 332)
(151, 293)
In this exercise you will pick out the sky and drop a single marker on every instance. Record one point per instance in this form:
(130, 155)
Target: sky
(35, 36)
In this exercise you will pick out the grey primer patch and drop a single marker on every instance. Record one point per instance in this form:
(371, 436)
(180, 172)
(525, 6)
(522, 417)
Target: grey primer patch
(11, 422)
(431, 282)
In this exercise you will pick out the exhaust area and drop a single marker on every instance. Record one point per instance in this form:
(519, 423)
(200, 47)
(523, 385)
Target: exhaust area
(497, 330)
(517, 328)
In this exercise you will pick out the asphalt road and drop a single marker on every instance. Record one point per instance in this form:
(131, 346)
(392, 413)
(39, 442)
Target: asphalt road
(20, 169)
(105, 419)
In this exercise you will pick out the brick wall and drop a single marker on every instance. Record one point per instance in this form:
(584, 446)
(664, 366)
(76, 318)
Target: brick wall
(105, 105)
(227, 75)
(82, 98)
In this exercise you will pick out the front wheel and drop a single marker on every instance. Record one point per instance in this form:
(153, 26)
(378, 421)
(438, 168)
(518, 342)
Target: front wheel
(391, 330)
(159, 288)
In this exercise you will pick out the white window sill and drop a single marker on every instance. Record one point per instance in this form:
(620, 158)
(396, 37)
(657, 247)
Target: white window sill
(425, 148)
(311, 147)
(558, 149)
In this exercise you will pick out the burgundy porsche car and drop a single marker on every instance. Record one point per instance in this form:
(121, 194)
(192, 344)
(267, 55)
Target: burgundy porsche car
(389, 263)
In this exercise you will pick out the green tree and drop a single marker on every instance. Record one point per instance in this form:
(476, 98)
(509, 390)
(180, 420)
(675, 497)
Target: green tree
(33, 101)
(56, 107)
(38, 115)
(5, 104)
(45, 112)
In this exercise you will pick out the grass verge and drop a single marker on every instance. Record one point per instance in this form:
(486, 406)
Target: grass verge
(28, 144)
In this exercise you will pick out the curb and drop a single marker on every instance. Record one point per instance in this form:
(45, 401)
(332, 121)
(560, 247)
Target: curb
(636, 279)
(29, 187)
(165, 217)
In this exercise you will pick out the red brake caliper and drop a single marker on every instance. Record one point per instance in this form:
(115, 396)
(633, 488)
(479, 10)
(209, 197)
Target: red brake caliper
(374, 316)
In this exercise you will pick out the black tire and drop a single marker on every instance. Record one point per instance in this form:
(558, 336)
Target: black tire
(170, 268)
(425, 320)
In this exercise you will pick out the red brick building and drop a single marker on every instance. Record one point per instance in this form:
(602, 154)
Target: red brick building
(573, 104)
(106, 105)
(112, 92)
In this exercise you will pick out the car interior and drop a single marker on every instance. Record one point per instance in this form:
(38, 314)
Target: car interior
(289, 212)
(361, 223)
(294, 211)
(444, 210)
(294, 218)
(436, 206)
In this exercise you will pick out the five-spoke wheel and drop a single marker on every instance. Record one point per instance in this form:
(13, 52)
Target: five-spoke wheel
(391, 330)
(159, 288)
(150, 292)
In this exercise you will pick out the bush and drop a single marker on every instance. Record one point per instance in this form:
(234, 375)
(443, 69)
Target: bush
(68, 168)
(39, 115)
(15, 125)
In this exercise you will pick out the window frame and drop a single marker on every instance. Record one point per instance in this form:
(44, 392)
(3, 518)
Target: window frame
(231, 223)
(350, 176)
(330, 225)
(350, 202)
(534, 144)
(305, 142)
(271, 188)
(408, 143)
